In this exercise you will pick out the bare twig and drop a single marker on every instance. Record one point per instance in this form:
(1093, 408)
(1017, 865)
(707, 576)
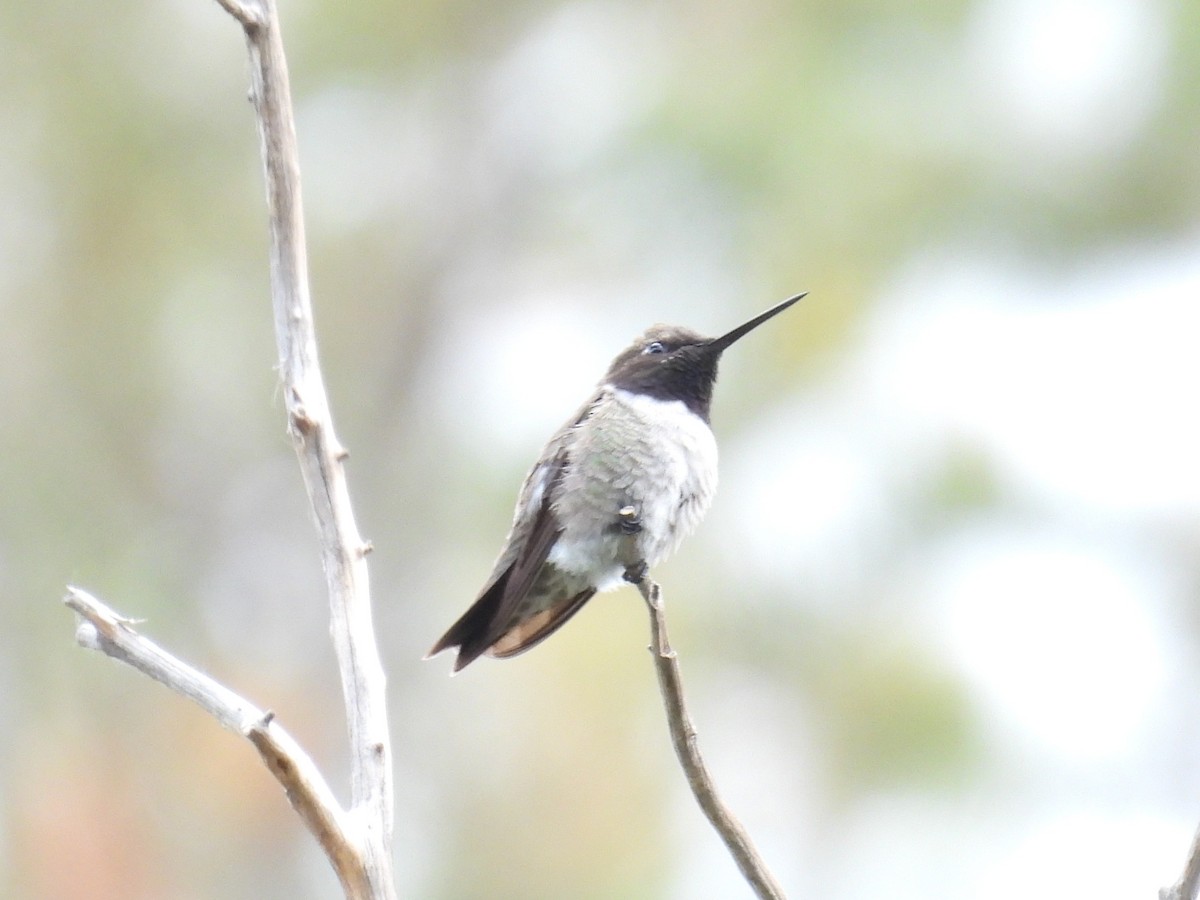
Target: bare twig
(358, 841)
(249, 16)
(102, 628)
(683, 737)
(1188, 885)
(343, 551)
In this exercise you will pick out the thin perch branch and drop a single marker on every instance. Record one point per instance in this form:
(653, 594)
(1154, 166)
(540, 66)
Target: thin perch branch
(102, 628)
(1188, 885)
(683, 738)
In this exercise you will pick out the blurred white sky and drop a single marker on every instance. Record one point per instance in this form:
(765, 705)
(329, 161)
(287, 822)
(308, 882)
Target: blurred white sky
(1076, 77)
(1081, 393)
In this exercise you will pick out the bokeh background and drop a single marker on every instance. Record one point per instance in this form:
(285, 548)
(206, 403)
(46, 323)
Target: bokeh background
(940, 629)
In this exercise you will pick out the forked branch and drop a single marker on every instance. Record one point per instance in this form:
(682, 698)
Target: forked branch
(322, 458)
(357, 840)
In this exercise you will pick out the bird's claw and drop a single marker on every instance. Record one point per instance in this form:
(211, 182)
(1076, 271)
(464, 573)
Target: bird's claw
(628, 520)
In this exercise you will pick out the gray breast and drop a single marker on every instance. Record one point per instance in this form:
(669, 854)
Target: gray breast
(634, 450)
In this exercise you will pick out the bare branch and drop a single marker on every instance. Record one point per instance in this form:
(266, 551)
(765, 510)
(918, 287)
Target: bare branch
(102, 628)
(1188, 885)
(343, 550)
(250, 17)
(683, 738)
(358, 842)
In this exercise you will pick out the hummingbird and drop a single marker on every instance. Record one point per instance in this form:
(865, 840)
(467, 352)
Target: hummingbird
(615, 490)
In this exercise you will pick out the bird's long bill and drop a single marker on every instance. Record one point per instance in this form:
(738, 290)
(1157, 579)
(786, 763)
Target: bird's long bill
(719, 344)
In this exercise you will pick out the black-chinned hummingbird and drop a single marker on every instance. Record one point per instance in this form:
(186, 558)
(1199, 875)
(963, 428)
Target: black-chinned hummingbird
(637, 462)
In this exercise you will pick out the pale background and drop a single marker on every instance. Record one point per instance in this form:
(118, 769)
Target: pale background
(940, 629)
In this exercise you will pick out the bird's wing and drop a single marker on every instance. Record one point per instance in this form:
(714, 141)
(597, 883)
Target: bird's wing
(536, 628)
(490, 618)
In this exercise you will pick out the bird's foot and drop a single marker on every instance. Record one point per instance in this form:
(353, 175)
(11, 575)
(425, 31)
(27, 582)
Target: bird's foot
(628, 520)
(636, 572)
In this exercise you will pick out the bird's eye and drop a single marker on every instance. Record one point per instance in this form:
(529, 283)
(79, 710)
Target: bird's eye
(654, 347)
